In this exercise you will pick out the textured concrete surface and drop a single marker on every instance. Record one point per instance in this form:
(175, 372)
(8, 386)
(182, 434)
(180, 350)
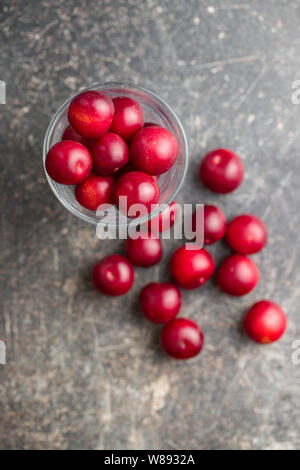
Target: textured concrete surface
(85, 371)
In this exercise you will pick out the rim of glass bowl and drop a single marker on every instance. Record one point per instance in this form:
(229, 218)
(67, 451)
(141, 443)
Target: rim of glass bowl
(170, 112)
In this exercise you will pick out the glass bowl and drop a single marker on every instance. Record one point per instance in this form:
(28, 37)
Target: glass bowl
(155, 110)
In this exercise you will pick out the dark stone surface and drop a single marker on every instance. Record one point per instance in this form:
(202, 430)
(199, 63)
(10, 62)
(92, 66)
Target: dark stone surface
(84, 371)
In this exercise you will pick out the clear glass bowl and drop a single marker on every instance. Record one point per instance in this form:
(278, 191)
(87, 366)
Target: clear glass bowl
(155, 110)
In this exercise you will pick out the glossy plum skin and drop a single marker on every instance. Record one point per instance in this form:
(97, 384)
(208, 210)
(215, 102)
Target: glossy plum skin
(70, 134)
(153, 150)
(110, 153)
(91, 113)
(165, 220)
(182, 338)
(247, 234)
(138, 188)
(191, 268)
(113, 275)
(160, 302)
(214, 223)
(128, 117)
(237, 275)
(144, 251)
(265, 322)
(94, 191)
(68, 162)
(221, 171)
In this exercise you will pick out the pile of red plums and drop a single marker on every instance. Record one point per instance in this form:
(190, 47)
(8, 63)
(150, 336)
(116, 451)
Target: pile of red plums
(221, 171)
(108, 152)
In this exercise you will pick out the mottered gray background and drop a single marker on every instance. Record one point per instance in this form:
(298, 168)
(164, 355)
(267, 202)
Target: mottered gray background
(85, 371)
